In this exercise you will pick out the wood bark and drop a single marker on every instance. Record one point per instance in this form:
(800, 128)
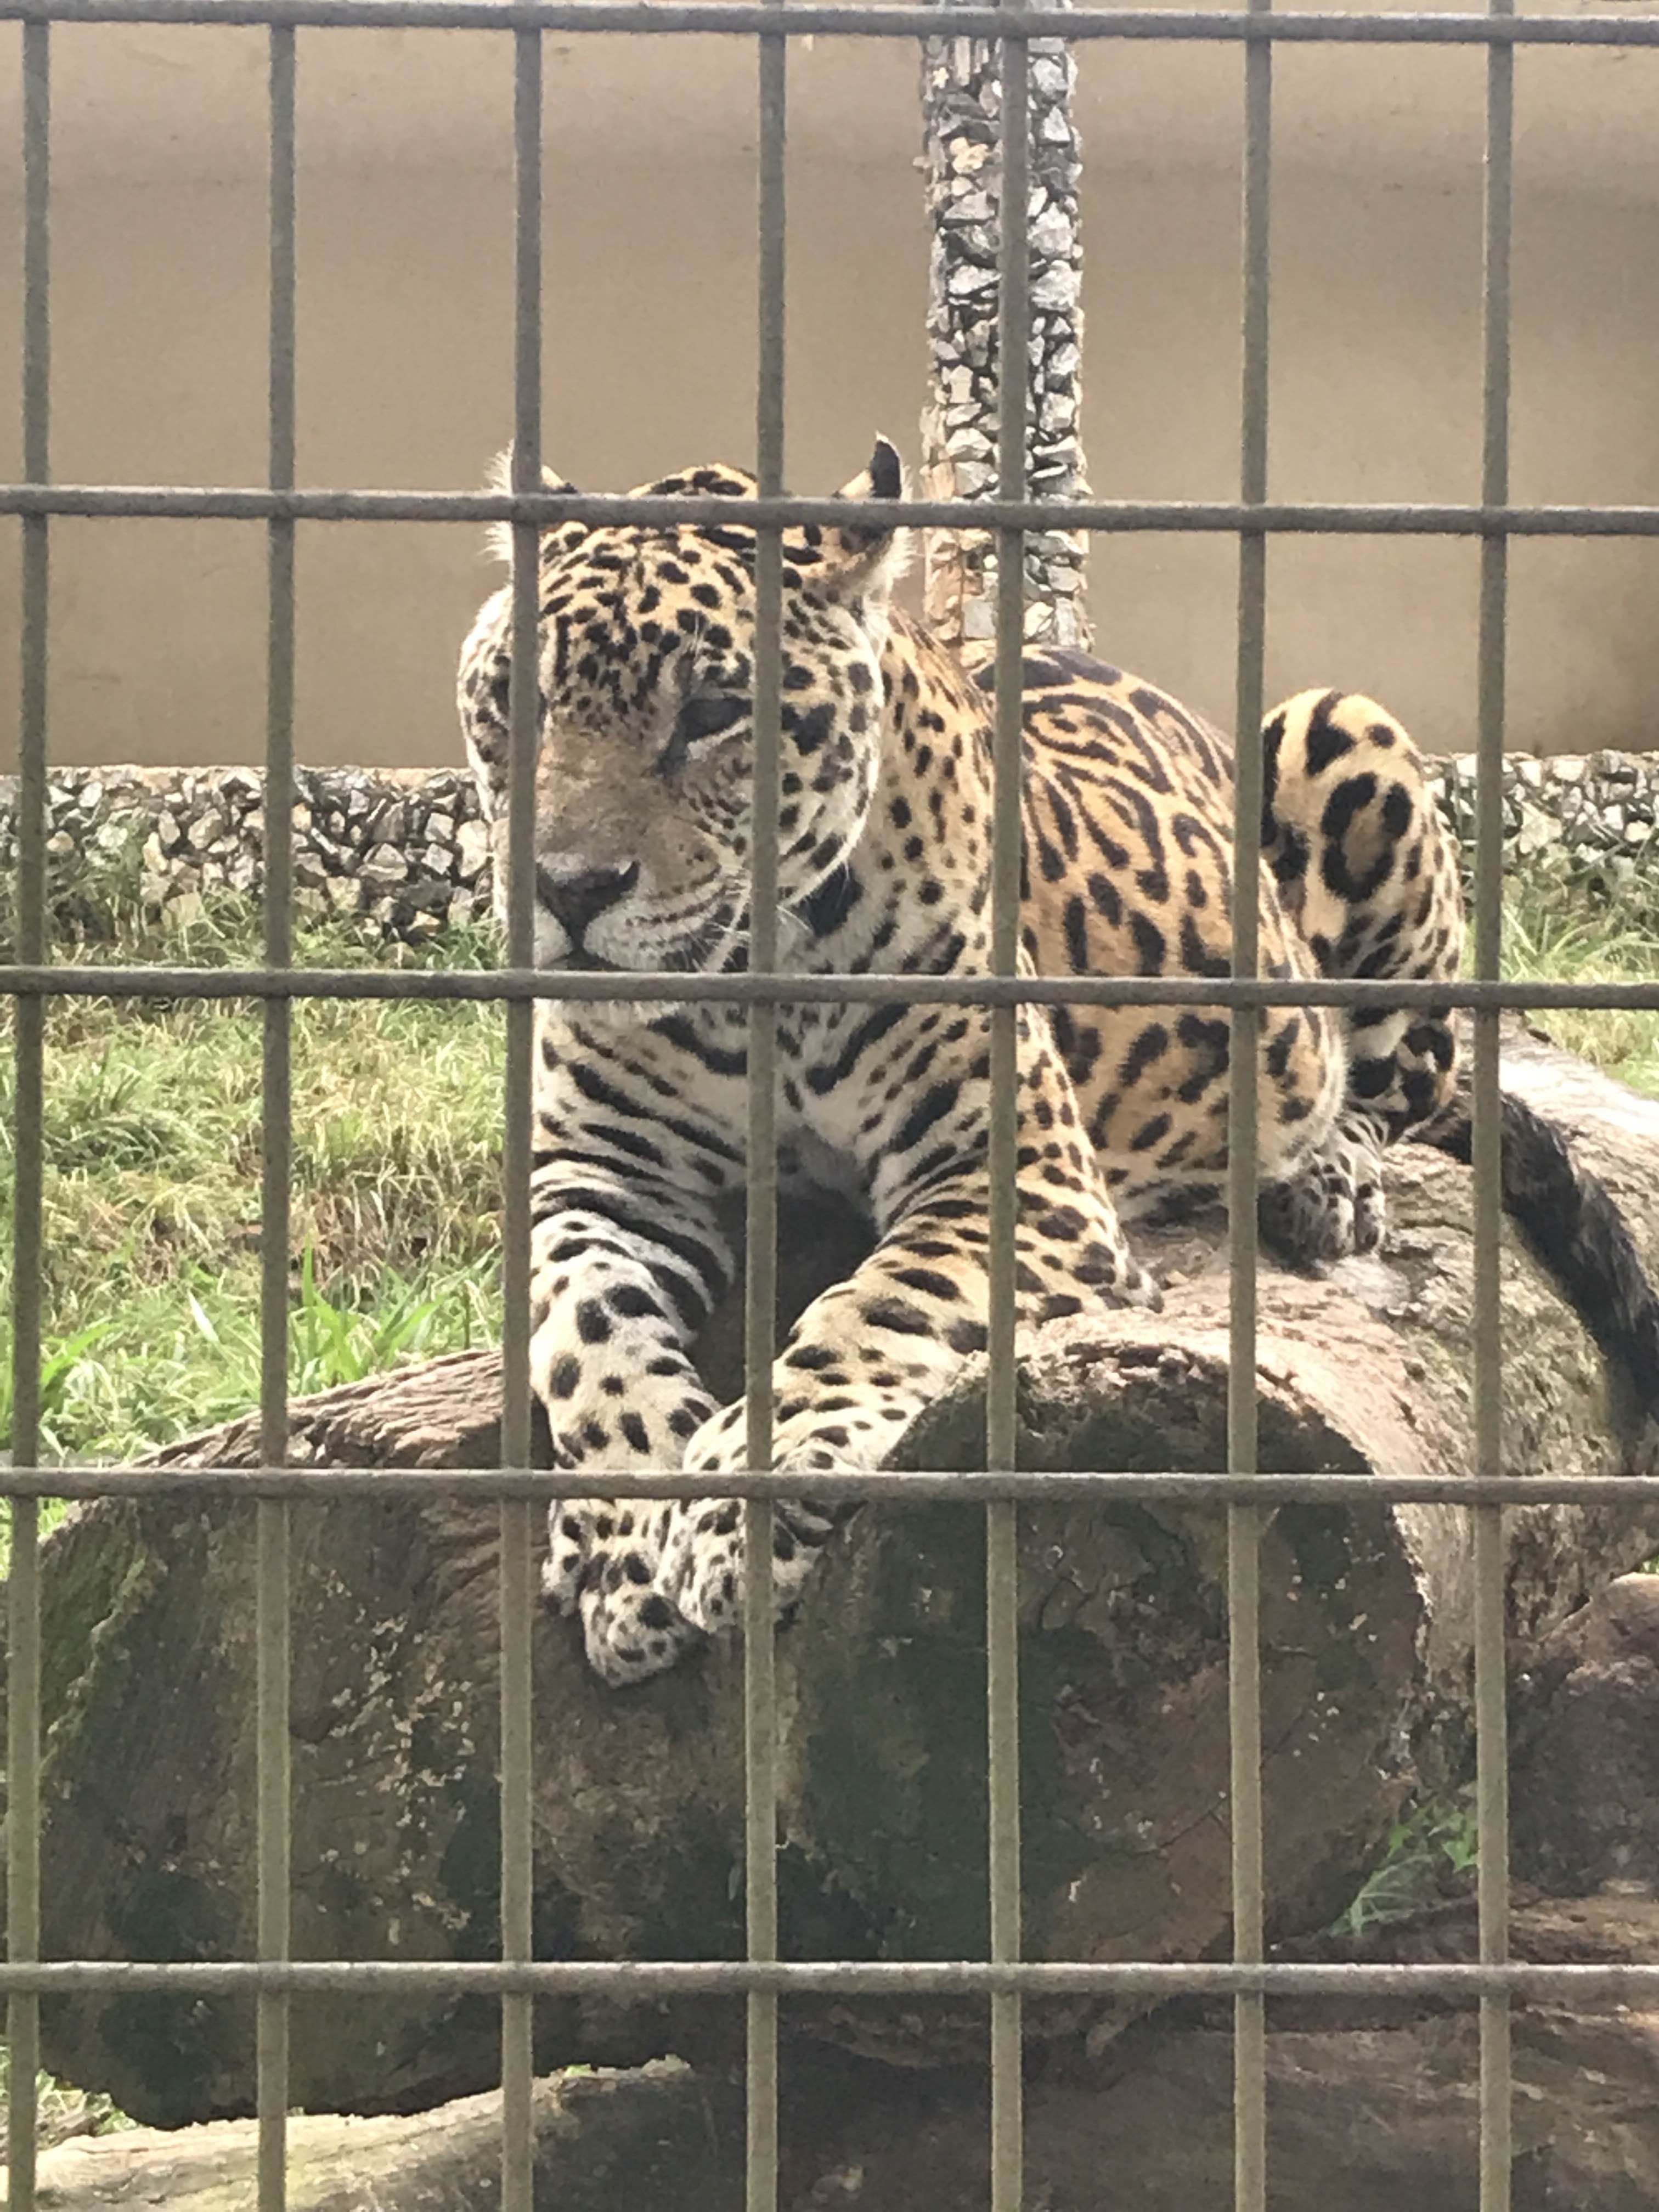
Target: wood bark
(1371, 2106)
(149, 1801)
(1586, 1748)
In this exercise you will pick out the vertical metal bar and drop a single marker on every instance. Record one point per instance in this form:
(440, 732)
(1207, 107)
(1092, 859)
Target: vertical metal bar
(759, 1679)
(517, 1549)
(1001, 1521)
(1491, 1732)
(273, 1515)
(23, 1614)
(1243, 1522)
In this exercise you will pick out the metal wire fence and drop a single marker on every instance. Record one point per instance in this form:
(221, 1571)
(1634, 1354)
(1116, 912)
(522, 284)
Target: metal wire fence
(1244, 1493)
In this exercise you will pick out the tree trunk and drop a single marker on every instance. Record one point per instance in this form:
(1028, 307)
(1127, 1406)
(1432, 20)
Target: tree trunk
(962, 103)
(1365, 1638)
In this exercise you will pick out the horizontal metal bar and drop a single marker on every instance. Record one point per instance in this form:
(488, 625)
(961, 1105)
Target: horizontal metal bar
(855, 21)
(648, 1979)
(482, 1486)
(675, 986)
(1301, 517)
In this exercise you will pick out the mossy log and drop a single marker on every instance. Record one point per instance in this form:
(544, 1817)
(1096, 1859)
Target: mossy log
(150, 1783)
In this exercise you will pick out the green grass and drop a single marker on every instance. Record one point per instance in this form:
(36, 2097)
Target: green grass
(151, 1205)
(1429, 1858)
(61, 2112)
(1560, 929)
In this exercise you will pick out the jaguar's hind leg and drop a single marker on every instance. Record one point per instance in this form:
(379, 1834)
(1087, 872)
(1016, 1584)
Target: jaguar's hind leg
(1367, 873)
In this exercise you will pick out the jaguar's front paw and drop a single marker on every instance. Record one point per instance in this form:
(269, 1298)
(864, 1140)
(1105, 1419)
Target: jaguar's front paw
(574, 1526)
(604, 1561)
(1333, 1208)
(702, 1565)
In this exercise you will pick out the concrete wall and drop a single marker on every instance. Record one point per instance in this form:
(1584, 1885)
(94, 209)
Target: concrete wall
(406, 318)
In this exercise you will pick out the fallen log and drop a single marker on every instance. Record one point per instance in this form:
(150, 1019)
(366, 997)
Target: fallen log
(1371, 2105)
(150, 1787)
(1585, 1762)
(653, 2124)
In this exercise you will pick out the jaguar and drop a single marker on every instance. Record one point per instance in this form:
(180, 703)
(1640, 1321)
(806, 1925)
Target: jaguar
(644, 845)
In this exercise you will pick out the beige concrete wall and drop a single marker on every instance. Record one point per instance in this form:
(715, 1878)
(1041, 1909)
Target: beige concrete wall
(405, 358)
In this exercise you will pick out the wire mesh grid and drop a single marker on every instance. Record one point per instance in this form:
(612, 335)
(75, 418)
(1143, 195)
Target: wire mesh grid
(1003, 1978)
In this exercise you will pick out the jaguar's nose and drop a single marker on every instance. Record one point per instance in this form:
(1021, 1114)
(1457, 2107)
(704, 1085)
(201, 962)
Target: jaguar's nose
(576, 902)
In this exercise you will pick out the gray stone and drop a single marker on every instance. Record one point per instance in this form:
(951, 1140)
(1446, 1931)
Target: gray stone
(471, 850)
(1052, 232)
(969, 282)
(965, 442)
(385, 864)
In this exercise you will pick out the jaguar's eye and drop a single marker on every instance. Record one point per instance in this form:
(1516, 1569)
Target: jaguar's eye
(705, 714)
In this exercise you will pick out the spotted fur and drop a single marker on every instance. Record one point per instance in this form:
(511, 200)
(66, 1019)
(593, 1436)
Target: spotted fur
(642, 861)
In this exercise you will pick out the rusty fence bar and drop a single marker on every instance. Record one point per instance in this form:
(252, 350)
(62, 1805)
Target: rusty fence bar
(1401, 519)
(718, 18)
(274, 1529)
(645, 1979)
(1244, 1520)
(23, 1615)
(759, 1715)
(1171, 1486)
(1491, 1704)
(508, 984)
(516, 1595)
(1244, 1492)
(1007, 2143)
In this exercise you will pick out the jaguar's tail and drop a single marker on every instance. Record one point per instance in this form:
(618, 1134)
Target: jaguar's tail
(1574, 1228)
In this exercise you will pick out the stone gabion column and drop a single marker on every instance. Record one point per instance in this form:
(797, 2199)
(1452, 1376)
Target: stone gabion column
(962, 102)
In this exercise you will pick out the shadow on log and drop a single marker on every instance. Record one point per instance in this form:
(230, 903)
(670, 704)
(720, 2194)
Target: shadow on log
(149, 1798)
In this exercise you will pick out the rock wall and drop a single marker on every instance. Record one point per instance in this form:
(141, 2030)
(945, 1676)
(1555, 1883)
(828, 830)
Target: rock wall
(961, 110)
(404, 851)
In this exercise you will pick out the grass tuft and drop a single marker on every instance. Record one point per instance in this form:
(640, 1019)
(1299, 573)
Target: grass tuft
(151, 1206)
(1585, 931)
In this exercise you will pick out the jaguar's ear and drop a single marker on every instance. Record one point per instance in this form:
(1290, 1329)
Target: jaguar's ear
(498, 536)
(861, 559)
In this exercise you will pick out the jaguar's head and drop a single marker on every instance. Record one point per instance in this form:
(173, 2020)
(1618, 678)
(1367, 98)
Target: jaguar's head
(645, 761)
